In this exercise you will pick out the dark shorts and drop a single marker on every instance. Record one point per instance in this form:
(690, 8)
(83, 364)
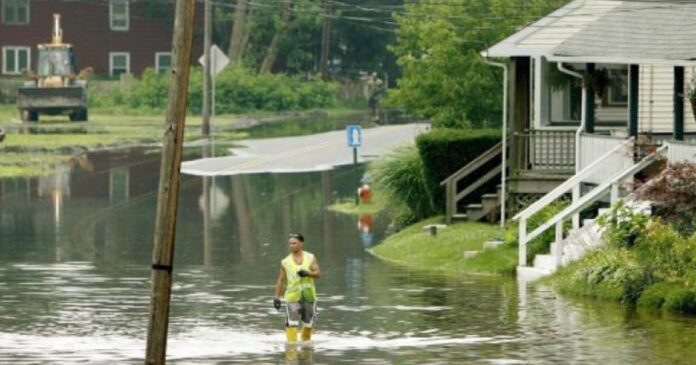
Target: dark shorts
(301, 311)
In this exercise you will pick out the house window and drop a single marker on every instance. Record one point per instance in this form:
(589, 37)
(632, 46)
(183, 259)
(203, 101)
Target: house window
(15, 12)
(617, 89)
(564, 96)
(163, 61)
(15, 60)
(119, 63)
(118, 14)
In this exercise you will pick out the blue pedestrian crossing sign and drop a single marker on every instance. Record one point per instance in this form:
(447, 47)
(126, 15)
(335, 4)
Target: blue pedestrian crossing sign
(354, 133)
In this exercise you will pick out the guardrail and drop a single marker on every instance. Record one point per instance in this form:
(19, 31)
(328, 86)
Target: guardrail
(680, 151)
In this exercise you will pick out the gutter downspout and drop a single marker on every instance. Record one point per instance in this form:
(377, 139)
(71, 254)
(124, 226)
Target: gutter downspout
(503, 175)
(583, 112)
(583, 116)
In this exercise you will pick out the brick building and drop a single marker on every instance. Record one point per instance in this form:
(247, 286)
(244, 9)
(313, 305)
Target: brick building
(112, 36)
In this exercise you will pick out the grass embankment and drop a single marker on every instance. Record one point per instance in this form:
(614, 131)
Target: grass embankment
(645, 262)
(413, 247)
(38, 148)
(347, 206)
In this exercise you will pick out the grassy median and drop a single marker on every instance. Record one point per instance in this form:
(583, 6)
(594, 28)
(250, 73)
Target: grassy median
(416, 248)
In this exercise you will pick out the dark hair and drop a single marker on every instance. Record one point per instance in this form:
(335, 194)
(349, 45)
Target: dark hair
(296, 236)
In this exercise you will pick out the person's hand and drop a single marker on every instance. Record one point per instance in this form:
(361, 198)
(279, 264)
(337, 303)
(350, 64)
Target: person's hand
(276, 303)
(303, 273)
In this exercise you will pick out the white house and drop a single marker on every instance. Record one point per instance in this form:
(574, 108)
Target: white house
(585, 83)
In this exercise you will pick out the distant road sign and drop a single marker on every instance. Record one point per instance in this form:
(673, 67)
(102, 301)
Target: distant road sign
(218, 60)
(354, 133)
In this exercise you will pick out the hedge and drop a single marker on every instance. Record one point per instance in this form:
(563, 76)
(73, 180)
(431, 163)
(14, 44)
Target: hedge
(444, 151)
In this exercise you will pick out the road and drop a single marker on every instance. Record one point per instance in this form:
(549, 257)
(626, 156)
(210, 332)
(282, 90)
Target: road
(315, 152)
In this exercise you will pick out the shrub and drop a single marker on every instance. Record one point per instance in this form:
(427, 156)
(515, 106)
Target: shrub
(623, 225)
(238, 90)
(400, 176)
(671, 296)
(444, 151)
(666, 253)
(612, 273)
(673, 193)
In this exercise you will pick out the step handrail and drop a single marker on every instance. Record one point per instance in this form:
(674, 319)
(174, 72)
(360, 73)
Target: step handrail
(476, 163)
(568, 185)
(581, 204)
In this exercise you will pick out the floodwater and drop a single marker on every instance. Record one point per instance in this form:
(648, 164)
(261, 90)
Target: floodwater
(75, 251)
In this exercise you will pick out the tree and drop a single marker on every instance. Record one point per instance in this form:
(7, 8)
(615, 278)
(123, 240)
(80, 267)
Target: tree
(438, 48)
(272, 51)
(239, 33)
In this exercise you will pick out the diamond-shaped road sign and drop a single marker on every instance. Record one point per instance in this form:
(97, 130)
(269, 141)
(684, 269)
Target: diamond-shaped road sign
(218, 60)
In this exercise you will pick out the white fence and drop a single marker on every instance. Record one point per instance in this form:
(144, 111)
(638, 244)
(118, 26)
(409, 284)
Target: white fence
(593, 146)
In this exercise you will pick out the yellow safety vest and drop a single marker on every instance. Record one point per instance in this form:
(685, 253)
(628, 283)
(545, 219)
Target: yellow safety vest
(299, 288)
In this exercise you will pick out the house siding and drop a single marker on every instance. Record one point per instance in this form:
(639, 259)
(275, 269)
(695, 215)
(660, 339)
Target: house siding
(656, 100)
(86, 25)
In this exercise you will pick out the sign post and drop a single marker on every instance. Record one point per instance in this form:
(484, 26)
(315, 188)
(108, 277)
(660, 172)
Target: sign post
(354, 134)
(218, 62)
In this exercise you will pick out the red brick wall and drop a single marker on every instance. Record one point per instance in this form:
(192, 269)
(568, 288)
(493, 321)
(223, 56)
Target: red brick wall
(86, 25)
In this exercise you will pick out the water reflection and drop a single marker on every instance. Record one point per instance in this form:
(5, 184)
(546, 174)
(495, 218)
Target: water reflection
(74, 269)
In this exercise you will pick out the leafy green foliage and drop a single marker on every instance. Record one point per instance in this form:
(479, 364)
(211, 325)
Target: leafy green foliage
(444, 151)
(624, 226)
(646, 262)
(438, 48)
(400, 176)
(238, 90)
(542, 244)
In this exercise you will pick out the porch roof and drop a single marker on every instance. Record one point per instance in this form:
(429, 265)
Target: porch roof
(657, 32)
(541, 37)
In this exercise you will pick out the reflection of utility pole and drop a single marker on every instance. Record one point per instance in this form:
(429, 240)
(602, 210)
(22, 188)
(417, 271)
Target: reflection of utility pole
(207, 74)
(328, 223)
(241, 208)
(207, 254)
(170, 177)
(325, 41)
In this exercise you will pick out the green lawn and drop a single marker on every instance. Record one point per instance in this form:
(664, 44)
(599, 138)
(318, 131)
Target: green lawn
(415, 248)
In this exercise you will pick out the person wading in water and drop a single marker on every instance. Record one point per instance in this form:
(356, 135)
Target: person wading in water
(297, 273)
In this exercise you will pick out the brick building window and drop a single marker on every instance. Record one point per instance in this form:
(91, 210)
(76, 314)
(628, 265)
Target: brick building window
(15, 60)
(163, 61)
(119, 63)
(119, 15)
(15, 12)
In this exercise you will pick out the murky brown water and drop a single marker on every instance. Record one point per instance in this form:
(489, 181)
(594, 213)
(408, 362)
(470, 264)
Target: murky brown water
(74, 269)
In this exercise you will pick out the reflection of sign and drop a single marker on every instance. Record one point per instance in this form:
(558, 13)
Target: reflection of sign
(218, 60)
(354, 133)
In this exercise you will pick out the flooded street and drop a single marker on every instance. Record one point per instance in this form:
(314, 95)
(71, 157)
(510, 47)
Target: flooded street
(75, 252)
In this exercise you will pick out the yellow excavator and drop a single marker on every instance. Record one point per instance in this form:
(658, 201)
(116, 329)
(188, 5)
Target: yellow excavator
(54, 89)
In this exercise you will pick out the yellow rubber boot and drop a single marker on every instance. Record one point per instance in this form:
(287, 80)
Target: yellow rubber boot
(291, 334)
(306, 333)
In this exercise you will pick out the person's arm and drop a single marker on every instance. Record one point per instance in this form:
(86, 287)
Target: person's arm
(314, 270)
(280, 283)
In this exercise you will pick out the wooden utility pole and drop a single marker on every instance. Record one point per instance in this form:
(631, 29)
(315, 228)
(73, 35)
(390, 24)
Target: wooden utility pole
(207, 74)
(325, 41)
(168, 195)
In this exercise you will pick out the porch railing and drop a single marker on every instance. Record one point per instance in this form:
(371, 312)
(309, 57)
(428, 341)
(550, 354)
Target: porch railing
(546, 150)
(593, 147)
(680, 151)
(572, 186)
(454, 196)
(610, 186)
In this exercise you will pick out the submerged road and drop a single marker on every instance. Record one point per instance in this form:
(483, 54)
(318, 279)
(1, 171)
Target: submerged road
(317, 152)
